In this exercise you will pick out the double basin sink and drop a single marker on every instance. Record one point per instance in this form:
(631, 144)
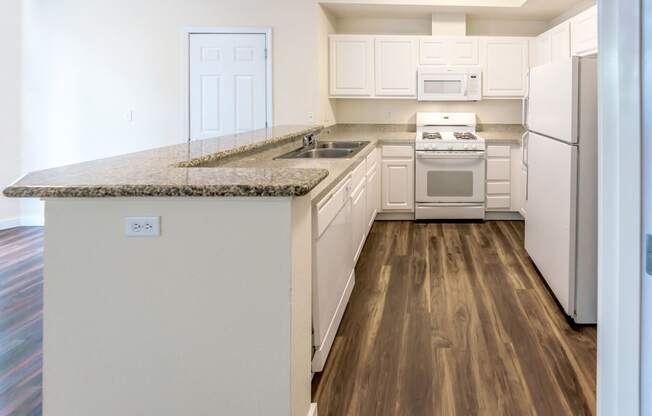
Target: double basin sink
(326, 150)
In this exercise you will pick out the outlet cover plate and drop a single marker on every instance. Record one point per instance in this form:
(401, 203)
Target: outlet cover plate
(142, 226)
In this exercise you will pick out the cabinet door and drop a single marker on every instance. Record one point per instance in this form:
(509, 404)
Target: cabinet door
(432, 51)
(359, 218)
(543, 49)
(373, 196)
(463, 51)
(351, 66)
(396, 66)
(584, 32)
(505, 66)
(398, 185)
(560, 42)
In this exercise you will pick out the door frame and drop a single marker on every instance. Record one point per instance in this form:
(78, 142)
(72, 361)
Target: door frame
(620, 208)
(185, 68)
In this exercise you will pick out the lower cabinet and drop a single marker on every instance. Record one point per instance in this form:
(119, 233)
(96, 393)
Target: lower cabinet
(373, 194)
(359, 218)
(504, 178)
(397, 178)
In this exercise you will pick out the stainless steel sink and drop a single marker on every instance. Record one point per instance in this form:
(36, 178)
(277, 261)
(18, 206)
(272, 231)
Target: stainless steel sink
(340, 145)
(326, 150)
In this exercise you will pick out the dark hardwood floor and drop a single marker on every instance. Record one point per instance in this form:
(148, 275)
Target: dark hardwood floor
(453, 319)
(21, 320)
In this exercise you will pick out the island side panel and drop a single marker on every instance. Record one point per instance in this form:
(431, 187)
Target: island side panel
(196, 321)
(301, 355)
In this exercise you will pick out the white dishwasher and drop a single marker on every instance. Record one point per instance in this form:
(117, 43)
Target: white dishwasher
(333, 267)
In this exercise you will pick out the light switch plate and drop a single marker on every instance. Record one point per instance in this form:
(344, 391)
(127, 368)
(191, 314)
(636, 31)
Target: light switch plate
(142, 226)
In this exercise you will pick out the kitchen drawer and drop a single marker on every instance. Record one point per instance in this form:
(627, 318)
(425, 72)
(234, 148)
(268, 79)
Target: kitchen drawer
(498, 202)
(359, 175)
(328, 207)
(498, 188)
(498, 151)
(372, 160)
(498, 169)
(402, 151)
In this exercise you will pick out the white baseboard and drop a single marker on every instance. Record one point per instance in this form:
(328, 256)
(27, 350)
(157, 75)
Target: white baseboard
(395, 216)
(313, 409)
(7, 223)
(503, 216)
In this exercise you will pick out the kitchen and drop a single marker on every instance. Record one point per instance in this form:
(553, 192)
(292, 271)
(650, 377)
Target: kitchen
(445, 182)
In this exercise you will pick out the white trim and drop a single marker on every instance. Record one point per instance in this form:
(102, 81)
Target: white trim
(7, 223)
(619, 206)
(185, 69)
(313, 409)
(503, 216)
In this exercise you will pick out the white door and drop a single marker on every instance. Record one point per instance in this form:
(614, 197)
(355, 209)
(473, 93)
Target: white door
(553, 100)
(396, 66)
(398, 185)
(351, 65)
(551, 213)
(505, 65)
(228, 91)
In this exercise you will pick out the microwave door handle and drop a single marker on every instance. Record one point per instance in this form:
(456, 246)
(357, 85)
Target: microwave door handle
(465, 83)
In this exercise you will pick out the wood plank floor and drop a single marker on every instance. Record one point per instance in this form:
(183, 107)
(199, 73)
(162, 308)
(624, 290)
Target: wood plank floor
(21, 321)
(453, 319)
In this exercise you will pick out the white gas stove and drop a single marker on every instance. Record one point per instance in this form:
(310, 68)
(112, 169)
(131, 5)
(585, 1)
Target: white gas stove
(447, 132)
(450, 167)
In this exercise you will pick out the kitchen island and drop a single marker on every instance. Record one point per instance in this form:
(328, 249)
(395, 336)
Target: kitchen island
(210, 316)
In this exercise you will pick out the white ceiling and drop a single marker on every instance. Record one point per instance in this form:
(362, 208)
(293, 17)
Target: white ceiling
(499, 9)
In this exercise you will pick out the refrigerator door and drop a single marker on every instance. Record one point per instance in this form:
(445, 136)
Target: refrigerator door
(553, 100)
(551, 214)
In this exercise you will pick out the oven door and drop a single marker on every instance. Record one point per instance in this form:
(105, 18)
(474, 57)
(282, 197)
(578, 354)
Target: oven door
(456, 177)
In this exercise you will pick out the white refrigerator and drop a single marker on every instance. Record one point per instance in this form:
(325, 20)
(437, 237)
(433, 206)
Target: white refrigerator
(562, 205)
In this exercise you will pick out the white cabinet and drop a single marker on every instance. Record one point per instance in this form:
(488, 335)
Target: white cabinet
(553, 45)
(438, 50)
(373, 187)
(397, 178)
(584, 32)
(359, 218)
(504, 178)
(396, 66)
(351, 65)
(505, 66)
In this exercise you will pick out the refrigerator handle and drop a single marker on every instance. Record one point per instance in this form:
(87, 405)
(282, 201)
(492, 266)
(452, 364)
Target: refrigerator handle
(524, 140)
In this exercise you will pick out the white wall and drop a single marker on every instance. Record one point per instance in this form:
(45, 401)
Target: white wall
(88, 63)
(326, 27)
(403, 111)
(9, 107)
(501, 27)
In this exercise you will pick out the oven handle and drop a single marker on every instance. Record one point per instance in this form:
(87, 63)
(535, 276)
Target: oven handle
(446, 155)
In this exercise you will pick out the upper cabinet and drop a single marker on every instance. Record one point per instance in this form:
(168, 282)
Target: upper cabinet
(504, 62)
(351, 65)
(584, 32)
(396, 66)
(462, 50)
(552, 45)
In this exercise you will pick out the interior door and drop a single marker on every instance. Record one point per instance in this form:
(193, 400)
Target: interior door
(228, 77)
(553, 100)
(551, 213)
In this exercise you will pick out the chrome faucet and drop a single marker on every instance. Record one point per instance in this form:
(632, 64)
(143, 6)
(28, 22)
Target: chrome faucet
(311, 139)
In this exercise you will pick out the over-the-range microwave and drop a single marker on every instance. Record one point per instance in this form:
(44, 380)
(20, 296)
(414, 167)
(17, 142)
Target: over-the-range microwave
(449, 83)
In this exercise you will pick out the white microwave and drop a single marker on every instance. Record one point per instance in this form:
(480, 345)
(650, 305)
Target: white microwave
(445, 83)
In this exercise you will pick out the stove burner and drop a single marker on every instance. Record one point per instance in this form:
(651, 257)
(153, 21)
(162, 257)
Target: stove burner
(465, 136)
(432, 136)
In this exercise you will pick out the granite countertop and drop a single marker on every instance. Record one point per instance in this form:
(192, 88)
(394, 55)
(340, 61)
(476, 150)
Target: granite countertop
(243, 164)
(172, 171)
(505, 133)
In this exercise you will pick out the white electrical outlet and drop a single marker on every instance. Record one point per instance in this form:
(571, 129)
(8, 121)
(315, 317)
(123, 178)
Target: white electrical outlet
(143, 226)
